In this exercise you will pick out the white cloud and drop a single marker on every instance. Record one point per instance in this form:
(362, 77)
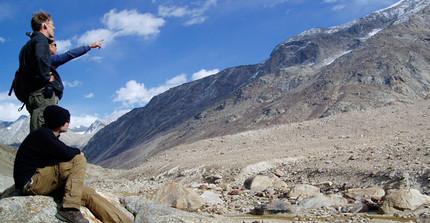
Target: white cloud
(97, 59)
(90, 95)
(194, 15)
(72, 84)
(338, 7)
(373, 2)
(63, 45)
(136, 93)
(2, 40)
(358, 4)
(273, 3)
(123, 23)
(196, 20)
(9, 107)
(82, 120)
(131, 22)
(9, 111)
(96, 35)
(330, 1)
(116, 114)
(5, 10)
(178, 80)
(204, 73)
(172, 11)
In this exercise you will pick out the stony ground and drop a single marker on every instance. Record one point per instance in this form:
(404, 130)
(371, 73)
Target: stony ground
(387, 147)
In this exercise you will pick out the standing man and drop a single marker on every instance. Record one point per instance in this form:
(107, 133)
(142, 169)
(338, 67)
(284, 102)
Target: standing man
(41, 82)
(44, 164)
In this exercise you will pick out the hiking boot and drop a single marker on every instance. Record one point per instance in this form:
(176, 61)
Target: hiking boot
(71, 215)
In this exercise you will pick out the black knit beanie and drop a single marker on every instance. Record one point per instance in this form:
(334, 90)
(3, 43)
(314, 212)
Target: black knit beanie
(55, 116)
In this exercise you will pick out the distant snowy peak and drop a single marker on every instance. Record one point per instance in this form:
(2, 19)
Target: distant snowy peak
(95, 127)
(98, 125)
(13, 133)
(398, 13)
(19, 124)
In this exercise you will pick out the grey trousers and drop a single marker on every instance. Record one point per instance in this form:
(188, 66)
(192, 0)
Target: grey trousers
(36, 104)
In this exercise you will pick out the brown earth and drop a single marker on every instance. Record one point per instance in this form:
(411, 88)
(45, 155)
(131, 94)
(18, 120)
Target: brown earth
(387, 147)
(395, 137)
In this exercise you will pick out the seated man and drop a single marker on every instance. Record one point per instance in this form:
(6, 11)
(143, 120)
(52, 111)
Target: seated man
(43, 164)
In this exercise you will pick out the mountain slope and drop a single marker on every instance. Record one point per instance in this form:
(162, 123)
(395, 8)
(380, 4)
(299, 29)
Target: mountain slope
(370, 62)
(13, 133)
(7, 158)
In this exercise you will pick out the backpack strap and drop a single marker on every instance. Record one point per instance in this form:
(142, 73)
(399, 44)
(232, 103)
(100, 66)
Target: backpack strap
(11, 89)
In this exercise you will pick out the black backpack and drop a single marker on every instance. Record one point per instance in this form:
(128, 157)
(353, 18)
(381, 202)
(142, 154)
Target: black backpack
(18, 88)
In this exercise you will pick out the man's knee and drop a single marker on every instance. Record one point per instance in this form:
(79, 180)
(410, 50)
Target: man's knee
(80, 158)
(77, 164)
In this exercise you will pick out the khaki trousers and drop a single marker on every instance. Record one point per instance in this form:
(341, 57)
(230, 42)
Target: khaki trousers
(71, 175)
(36, 104)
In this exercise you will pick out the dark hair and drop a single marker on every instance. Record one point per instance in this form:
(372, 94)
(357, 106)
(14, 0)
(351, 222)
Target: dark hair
(38, 19)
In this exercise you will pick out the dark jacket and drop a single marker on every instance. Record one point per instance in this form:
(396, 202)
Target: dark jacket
(60, 59)
(35, 65)
(39, 149)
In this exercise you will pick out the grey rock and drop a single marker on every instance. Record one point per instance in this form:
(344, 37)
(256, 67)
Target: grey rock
(273, 207)
(260, 183)
(209, 197)
(302, 191)
(403, 200)
(364, 193)
(319, 201)
(38, 208)
(177, 195)
(147, 211)
(28, 209)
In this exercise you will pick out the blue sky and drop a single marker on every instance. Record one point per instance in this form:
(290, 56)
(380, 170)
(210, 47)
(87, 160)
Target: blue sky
(153, 45)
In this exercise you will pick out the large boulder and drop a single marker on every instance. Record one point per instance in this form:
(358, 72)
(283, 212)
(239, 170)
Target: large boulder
(303, 191)
(403, 200)
(34, 209)
(149, 212)
(178, 196)
(210, 197)
(321, 200)
(365, 193)
(261, 182)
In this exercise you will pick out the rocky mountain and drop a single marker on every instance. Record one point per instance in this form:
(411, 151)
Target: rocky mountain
(376, 60)
(13, 133)
(95, 127)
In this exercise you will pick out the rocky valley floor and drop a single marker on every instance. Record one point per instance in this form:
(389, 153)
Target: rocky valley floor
(387, 148)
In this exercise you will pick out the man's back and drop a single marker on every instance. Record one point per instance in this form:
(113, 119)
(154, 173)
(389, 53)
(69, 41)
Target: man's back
(35, 62)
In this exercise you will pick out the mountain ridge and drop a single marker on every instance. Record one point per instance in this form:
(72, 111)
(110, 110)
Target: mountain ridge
(306, 77)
